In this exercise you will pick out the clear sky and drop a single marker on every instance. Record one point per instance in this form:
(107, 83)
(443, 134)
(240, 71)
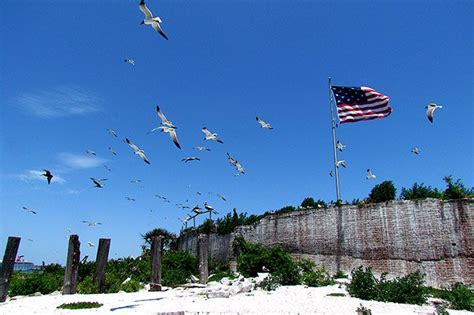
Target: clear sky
(64, 82)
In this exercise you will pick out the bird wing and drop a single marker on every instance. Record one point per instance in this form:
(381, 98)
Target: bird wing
(206, 132)
(132, 145)
(145, 10)
(143, 156)
(260, 121)
(429, 112)
(174, 137)
(161, 115)
(157, 28)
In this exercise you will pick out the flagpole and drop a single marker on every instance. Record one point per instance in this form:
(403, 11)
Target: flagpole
(333, 127)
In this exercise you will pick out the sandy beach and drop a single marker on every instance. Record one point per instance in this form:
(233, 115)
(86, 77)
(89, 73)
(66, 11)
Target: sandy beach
(284, 300)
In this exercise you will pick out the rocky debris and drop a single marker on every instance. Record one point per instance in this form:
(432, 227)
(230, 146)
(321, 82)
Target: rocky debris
(227, 287)
(192, 279)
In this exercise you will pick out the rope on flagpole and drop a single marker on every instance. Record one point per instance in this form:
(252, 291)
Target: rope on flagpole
(333, 127)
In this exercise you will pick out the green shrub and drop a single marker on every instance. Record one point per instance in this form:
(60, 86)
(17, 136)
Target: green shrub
(270, 283)
(317, 278)
(220, 275)
(384, 191)
(130, 286)
(80, 305)
(408, 289)
(286, 209)
(456, 190)
(87, 286)
(177, 266)
(310, 203)
(336, 294)
(254, 256)
(340, 274)
(207, 227)
(362, 310)
(419, 191)
(29, 283)
(460, 297)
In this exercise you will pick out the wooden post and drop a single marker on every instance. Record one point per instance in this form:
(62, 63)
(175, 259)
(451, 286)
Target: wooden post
(72, 265)
(156, 247)
(101, 263)
(203, 244)
(8, 263)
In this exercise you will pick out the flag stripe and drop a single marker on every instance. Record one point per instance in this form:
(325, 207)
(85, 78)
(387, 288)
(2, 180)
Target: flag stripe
(365, 112)
(351, 107)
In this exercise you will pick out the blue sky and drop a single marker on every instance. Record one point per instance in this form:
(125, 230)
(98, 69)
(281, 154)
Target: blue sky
(64, 82)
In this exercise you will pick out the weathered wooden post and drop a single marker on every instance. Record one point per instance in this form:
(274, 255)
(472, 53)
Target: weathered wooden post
(72, 265)
(101, 263)
(8, 263)
(203, 247)
(156, 247)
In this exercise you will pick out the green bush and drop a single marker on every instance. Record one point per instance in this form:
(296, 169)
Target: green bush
(384, 191)
(177, 266)
(29, 283)
(419, 191)
(87, 286)
(408, 289)
(80, 305)
(456, 190)
(286, 209)
(461, 297)
(310, 203)
(317, 278)
(254, 256)
(270, 283)
(340, 274)
(130, 286)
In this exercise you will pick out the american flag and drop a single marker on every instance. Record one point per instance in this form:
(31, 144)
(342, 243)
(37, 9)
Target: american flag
(360, 103)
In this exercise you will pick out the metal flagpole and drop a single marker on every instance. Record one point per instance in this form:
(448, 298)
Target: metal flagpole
(333, 126)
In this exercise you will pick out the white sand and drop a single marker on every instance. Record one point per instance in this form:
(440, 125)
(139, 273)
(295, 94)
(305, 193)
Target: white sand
(284, 300)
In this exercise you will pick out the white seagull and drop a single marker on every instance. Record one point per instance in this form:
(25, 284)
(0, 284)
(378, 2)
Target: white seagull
(430, 110)
(202, 149)
(210, 135)
(222, 197)
(191, 158)
(137, 151)
(91, 223)
(415, 150)
(164, 120)
(90, 244)
(263, 124)
(197, 210)
(98, 182)
(240, 168)
(29, 210)
(341, 163)
(369, 174)
(112, 132)
(208, 207)
(172, 132)
(231, 160)
(150, 20)
(130, 61)
(340, 146)
(90, 152)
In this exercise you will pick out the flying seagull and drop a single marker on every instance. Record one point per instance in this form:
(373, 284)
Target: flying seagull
(202, 149)
(340, 146)
(90, 244)
(240, 168)
(331, 173)
(430, 110)
(369, 174)
(137, 151)
(112, 151)
(263, 124)
(341, 163)
(48, 175)
(172, 132)
(231, 160)
(164, 120)
(97, 182)
(91, 223)
(90, 152)
(130, 199)
(415, 150)
(150, 20)
(198, 193)
(130, 61)
(222, 197)
(136, 181)
(29, 210)
(112, 132)
(210, 135)
(191, 158)
(107, 168)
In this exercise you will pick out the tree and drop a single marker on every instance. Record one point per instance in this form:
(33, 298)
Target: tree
(419, 191)
(456, 190)
(384, 191)
(168, 241)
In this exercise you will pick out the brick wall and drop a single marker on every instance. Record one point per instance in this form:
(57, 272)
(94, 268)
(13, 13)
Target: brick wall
(399, 237)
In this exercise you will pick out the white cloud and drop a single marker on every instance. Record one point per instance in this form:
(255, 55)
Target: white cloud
(35, 175)
(75, 161)
(59, 102)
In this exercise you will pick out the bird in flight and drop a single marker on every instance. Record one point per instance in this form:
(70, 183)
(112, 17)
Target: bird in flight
(150, 20)
(112, 151)
(172, 132)
(369, 174)
(341, 163)
(48, 175)
(137, 151)
(136, 181)
(97, 182)
(29, 210)
(210, 136)
(430, 110)
(222, 197)
(130, 199)
(191, 158)
(107, 168)
(90, 244)
(91, 223)
(202, 149)
(130, 61)
(112, 132)
(415, 150)
(235, 163)
(164, 120)
(263, 124)
(90, 152)
(340, 146)
(331, 173)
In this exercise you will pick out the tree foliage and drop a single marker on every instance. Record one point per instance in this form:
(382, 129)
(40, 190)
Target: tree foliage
(384, 191)
(168, 241)
(456, 190)
(419, 191)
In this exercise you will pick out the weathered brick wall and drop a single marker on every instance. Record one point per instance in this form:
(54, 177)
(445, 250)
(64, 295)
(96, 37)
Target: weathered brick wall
(399, 237)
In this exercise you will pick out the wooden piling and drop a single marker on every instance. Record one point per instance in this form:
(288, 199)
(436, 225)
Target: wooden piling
(8, 264)
(101, 263)
(72, 265)
(203, 245)
(156, 248)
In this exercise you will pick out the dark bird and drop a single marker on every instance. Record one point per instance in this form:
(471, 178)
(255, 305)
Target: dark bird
(191, 158)
(97, 182)
(48, 175)
(112, 132)
(150, 20)
(29, 210)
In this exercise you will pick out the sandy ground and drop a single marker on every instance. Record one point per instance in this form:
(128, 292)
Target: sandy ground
(284, 300)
